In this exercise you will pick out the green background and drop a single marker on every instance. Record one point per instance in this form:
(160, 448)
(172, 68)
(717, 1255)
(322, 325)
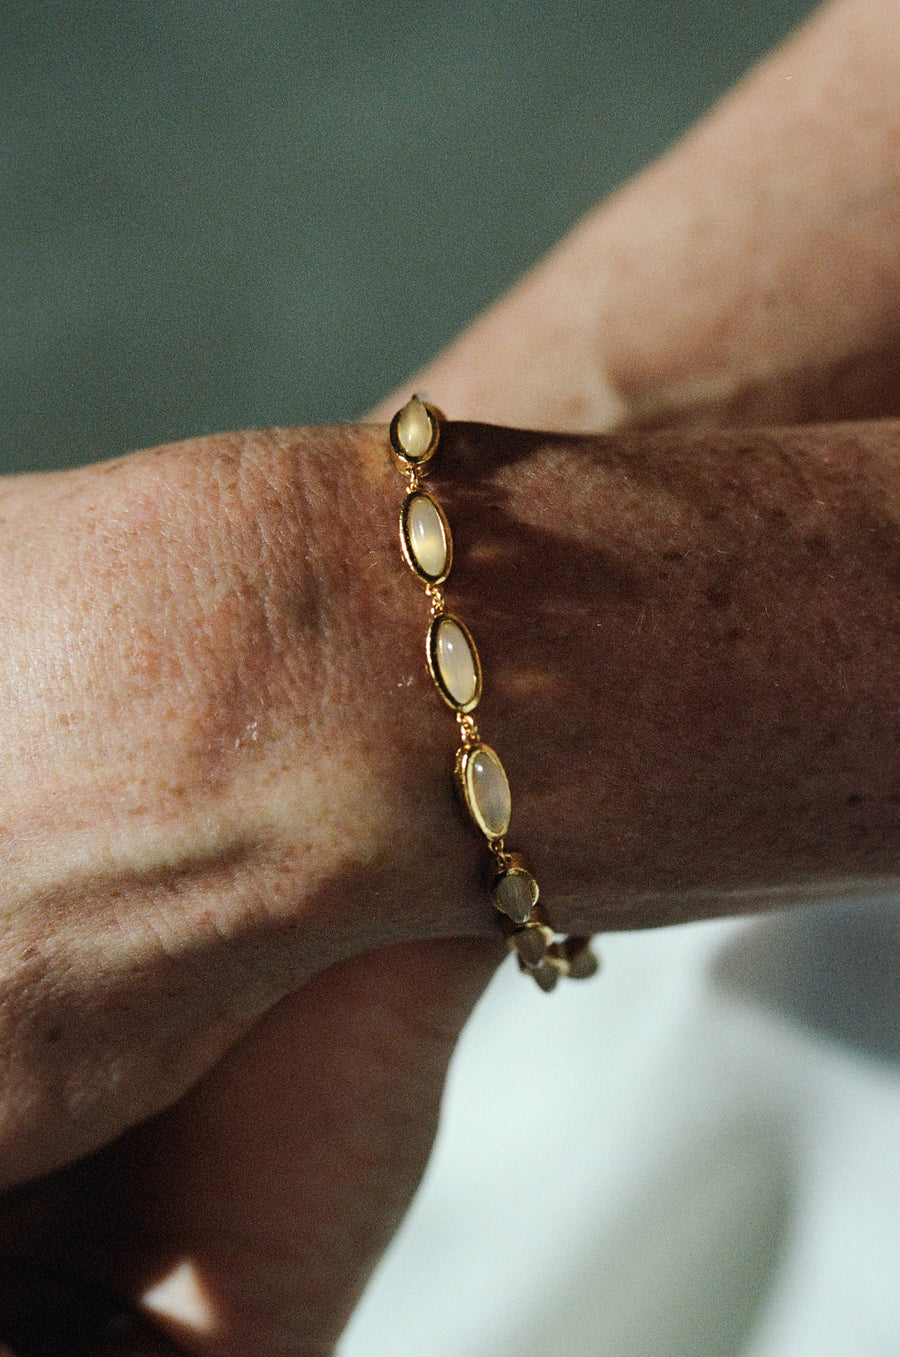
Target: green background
(220, 215)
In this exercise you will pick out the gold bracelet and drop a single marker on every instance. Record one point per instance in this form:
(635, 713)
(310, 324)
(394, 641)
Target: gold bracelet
(454, 666)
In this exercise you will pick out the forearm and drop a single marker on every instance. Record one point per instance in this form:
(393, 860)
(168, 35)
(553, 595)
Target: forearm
(750, 275)
(688, 638)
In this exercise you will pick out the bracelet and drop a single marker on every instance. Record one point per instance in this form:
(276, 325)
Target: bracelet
(454, 666)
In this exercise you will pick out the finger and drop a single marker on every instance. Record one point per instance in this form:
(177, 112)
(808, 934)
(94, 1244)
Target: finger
(751, 275)
(281, 1178)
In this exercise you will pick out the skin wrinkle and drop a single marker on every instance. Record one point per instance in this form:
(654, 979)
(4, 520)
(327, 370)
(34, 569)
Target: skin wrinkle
(242, 697)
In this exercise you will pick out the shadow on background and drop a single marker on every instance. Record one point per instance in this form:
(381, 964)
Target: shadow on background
(835, 970)
(688, 1266)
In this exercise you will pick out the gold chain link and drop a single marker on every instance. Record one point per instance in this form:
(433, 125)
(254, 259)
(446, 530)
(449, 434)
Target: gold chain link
(468, 730)
(436, 595)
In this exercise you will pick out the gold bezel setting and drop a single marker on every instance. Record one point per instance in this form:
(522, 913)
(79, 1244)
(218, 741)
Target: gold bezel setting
(464, 764)
(409, 554)
(431, 653)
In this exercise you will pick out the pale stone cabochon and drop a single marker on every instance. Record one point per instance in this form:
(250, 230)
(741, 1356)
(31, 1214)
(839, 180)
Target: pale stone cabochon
(415, 431)
(425, 535)
(486, 790)
(453, 661)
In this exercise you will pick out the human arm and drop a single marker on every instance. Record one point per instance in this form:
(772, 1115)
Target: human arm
(695, 704)
(275, 1077)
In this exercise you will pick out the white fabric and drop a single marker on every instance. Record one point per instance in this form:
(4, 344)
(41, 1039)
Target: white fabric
(694, 1155)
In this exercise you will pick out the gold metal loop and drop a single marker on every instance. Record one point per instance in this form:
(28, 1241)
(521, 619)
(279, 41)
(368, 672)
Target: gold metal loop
(468, 729)
(436, 596)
